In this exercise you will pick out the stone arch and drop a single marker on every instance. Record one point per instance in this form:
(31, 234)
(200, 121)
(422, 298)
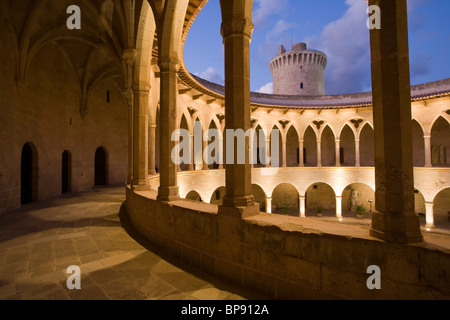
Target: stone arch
(310, 147)
(285, 199)
(259, 138)
(357, 194)
(218, 148)
(440, 143)
(441, 208)
(29, 184)
(217, 195)
(419, 202)
(292, 148)
(418, 144)
(280, 146)
(320, 194)
(198, 144)
(366, 146)
(328, 147)
(194, 196)
(260, 196)
(347, 146)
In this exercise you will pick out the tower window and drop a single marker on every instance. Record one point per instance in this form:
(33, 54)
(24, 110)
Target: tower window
(108, 96)
(301, 85)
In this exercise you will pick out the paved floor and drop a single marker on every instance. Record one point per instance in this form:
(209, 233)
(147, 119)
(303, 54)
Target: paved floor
(40, 241)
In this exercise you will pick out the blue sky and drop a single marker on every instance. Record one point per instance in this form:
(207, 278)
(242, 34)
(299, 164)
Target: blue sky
(336, 27)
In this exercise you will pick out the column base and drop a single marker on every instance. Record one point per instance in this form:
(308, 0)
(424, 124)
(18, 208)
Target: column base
(396, 228)
(240, 212)
(168, 194)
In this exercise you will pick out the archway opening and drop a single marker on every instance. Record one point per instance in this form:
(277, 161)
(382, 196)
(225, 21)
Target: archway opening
(419, 205)
(28, 174)
(279, 146)
(310, 148)
(101, 167)
(357, 195)
(441, 209)
(184, 126)
(418, 144)
(320, 195)
(194, 196)
(285, 200)
(260, 196)
(66, 174)
(347, 147)
(328, 148)
(440, 143)
(218, 195)
(260, 152)
(292, 148)
(366, 146)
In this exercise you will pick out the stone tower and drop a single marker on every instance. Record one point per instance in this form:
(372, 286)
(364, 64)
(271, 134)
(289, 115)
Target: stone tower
(298, 72)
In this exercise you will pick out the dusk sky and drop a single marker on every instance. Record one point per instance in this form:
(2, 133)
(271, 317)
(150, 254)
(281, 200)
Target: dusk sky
(335, 27)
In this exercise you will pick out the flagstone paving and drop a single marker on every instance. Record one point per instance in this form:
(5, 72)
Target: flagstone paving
(41, 240)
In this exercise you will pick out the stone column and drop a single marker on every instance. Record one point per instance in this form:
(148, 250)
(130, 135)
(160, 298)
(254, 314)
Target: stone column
(268, 154)
(337, 143)
(302, 206)
(168, 189)
(191, 153)
(130, 99)
(236, 30)
(283, 152)
(268, 205)
(394, 219)
(205, 145)
(429, 214)
(319, 153)
(357, 153)
(301, 161)
(151, 149)
(220, 157)
(140, 134)
(339, 207)
(427, 143)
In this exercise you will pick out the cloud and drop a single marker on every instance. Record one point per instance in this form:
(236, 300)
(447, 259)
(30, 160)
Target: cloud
(273, 40)
(346, 42)
(211, 75)
(265, 8)
(267, 88)
(420, 65)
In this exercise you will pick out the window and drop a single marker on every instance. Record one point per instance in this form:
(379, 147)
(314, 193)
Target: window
(301, 85)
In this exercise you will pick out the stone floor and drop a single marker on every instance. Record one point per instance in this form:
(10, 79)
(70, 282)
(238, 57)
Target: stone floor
(40, 241)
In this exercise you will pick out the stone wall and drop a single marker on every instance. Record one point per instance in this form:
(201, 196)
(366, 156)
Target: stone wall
(286, 261)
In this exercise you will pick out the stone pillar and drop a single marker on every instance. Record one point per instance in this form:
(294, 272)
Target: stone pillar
(268, 154)
(168, 189)
(429, 214)
(268, 205)
(236, 30)
(337, 143)
(339, 207)
(151, 149)
(191, 154)
(205, 145)
(140, 134)
(319, 153)
(357, 153)
(283, 152)
(130, 99)
(302, 206)
(301, 161)
(427, 143)
(220, 157)
(394, 219)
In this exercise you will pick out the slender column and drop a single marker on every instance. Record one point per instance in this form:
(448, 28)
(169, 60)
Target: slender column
(429, 215)
(300, 154)
(191, 154)
(337, 144)
(268, 155)
(236, 30)
(268, 205)
(319, 153)
(220, 158)
(302, 206)
(394, 219)
(168, 189)
(130, 136)
(283, 152)
(205, 145)
(427, 142)
(140, 134)
(339, 207)
(357, 154)
(151, 149)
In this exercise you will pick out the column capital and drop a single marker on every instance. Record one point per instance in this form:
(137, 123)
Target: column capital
(243, 27)
(168, 64)
(129, 55)
(142, 88)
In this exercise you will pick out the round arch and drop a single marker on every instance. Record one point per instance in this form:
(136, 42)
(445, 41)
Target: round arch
(217, 195)
(357, 194)
(194, 196)
(285, 199)
(320, 194)
(441, 208)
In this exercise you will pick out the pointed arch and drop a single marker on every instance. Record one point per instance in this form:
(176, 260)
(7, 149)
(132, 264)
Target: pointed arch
(367, 147)
(310, 147)
(347, 146)
(292, 147)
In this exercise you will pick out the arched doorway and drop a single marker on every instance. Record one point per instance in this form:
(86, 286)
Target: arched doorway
(66, 183)
(285, 199)
(418, 144)
(366, 146)
(101, 167)
(28, 174)
(441, 209)
(320, 195)
(194, 196)
(357, 194)
(260, 196)
(347, 147)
